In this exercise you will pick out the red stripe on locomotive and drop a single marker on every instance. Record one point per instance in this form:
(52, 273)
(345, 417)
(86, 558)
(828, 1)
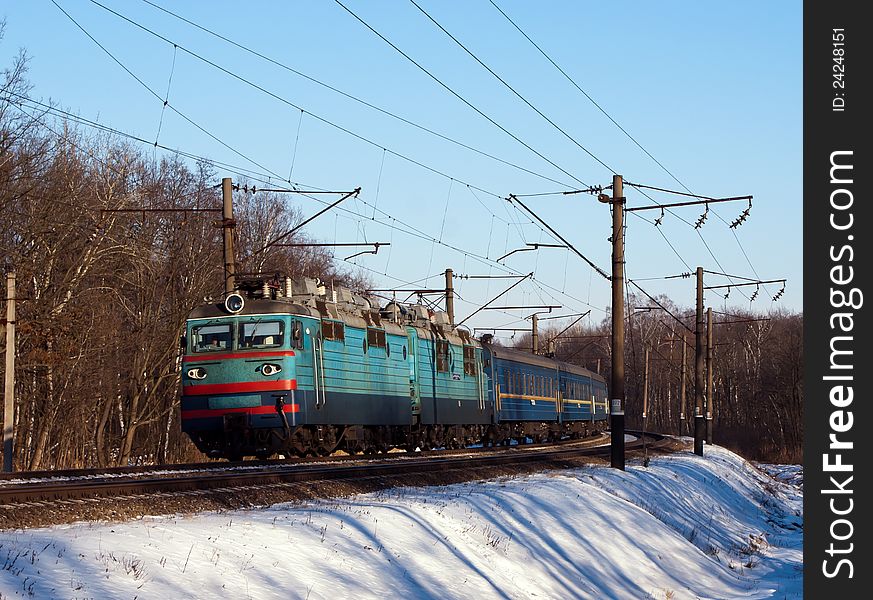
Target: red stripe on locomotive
(231, 388)
(252, 410)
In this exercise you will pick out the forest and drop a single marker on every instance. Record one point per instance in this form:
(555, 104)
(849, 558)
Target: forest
(757, 373)
(113, 245)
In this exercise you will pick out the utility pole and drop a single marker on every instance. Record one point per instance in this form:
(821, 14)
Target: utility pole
(645, 388)
(617, 384)
(450, 298)
(699, 420)
(227, 225)
(9, 383)
(710, 395)
(683, 375)
(534, 335)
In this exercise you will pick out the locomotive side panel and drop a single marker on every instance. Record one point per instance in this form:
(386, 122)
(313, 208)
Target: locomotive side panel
(351, 375)
(451, 382)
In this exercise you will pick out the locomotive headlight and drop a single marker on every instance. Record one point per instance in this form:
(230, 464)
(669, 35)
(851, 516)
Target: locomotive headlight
(234, 303)
(197, 373)
(270, 369)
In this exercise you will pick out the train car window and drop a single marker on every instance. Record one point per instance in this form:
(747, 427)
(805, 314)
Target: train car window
(261, 334)
(376, 337)
(333, 330)
(442, 356)
(470, 361)
(211, 338)
(297, 334)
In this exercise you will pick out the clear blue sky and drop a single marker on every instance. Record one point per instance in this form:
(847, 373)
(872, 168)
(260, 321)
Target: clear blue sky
(712, 90)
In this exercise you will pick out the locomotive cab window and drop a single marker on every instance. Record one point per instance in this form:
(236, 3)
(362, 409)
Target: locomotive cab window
(210, 338)
(470, 361)
(261, 334)
(442, 356)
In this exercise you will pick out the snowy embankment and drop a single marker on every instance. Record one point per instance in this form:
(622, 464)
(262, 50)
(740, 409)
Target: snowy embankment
(684, 527)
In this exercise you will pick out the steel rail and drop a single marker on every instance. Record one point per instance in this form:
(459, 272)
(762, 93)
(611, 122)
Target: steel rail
(229, 480)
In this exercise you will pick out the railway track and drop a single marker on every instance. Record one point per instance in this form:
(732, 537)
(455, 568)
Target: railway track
(162, 489)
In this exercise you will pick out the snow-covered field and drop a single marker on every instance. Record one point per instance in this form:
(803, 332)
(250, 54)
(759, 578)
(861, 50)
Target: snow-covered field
(684, 527)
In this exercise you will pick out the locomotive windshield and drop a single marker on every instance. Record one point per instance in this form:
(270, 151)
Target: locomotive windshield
(209, 338)
(261, 334)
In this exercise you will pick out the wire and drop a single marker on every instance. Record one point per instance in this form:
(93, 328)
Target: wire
(578, 87)
(411, 230)
(296, 141)
(730, 276)
(107, 129)
(289, 103)
(295, 106)
(614, 122)
(512, 89)
(415, 232)
(167, 96)
(348, 95)
(418, 233)
(458, 96)
(158, 97)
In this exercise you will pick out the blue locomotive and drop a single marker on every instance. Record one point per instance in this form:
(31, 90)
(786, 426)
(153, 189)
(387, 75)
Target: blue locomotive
(292, 369)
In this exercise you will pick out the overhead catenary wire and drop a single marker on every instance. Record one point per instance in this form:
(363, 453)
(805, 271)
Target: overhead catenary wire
(352, 97)
(292, 104)
(55, 111)
(512, 89)
(633, 139)
(622, 129)
(391, 222)
(578, 87)
(458, 96)
(436, 171)
(158, 96)
(388, 112)
(250, 172)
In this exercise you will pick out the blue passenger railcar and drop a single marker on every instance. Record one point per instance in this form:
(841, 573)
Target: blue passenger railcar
(540, 397)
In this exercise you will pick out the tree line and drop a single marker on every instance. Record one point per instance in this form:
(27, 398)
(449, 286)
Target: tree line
(757, 389)
(103, 294)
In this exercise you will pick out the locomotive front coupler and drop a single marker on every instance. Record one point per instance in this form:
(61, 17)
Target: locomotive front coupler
(280, 408)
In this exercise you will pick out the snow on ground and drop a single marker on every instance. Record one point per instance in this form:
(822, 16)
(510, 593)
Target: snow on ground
(684, 527)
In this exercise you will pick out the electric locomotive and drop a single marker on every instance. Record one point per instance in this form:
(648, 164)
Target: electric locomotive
(291, 368)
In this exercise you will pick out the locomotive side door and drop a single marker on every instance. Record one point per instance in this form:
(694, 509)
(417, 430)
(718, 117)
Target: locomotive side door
(414, 380)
